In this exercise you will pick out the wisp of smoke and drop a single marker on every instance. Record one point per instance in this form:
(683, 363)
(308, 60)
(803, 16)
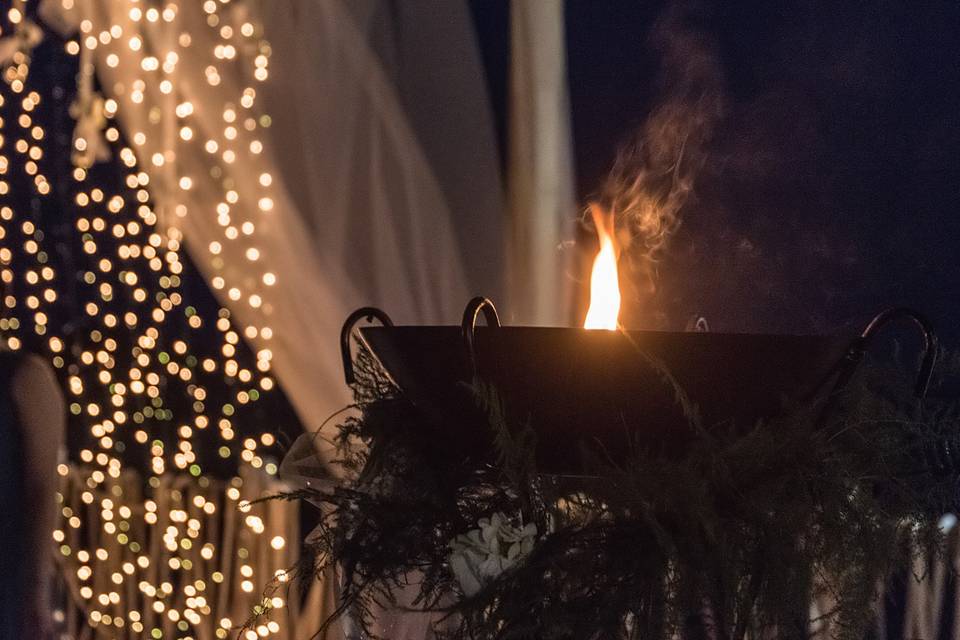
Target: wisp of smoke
(654, 172)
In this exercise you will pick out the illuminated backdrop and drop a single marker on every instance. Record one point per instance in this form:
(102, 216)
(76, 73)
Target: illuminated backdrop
(154, 540)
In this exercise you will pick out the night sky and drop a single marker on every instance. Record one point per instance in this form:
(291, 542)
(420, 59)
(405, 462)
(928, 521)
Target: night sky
(832, 184)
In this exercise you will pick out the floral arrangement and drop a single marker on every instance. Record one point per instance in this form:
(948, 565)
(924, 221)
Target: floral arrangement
(480, 555)
(732, 541)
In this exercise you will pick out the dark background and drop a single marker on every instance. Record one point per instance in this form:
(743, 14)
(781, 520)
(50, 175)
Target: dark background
(833, 180)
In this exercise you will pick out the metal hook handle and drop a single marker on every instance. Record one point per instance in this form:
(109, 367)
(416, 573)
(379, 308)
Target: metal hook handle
(698, 324)
(371, 314)
(469, 324)
(881, 320)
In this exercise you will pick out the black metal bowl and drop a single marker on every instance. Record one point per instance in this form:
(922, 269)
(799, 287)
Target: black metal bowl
(608, 390)
(601, 387)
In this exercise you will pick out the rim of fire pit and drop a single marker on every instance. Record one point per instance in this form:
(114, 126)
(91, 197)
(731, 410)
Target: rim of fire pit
(608, 391)
(847, 365)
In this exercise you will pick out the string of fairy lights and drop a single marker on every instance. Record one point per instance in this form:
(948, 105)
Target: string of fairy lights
(144, 381)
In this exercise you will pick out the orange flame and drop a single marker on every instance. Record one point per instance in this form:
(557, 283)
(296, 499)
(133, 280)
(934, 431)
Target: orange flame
(604, 282)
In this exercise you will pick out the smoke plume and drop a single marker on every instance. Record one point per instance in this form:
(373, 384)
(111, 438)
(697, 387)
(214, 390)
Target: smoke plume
(654, 173)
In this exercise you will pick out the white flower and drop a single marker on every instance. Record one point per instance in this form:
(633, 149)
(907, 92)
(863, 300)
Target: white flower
(482, 554)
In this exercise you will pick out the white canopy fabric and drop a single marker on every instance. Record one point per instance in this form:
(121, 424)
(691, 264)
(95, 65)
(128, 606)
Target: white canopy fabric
(541, 201)
(385, 187)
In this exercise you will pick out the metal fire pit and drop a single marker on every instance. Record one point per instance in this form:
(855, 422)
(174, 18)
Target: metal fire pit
(607, 390)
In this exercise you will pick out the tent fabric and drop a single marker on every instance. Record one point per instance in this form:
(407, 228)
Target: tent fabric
(541, 202)
(378, 198)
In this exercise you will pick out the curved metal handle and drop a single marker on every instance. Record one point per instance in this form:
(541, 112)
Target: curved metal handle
(469, 324)
(698, 324)
(371, 314)
(884, 318)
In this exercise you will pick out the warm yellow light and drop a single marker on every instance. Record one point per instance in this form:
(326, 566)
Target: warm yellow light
(604, 281)
(111, 382)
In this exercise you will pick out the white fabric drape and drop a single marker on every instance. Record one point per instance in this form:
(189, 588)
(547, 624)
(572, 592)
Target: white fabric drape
(359, 214)
(541, 196)
(427, 67)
